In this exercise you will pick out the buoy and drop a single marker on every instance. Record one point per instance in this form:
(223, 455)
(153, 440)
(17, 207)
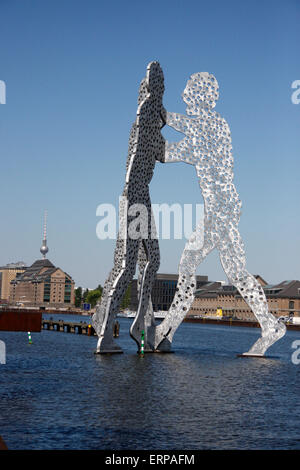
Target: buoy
(29, 337)
(142, 343)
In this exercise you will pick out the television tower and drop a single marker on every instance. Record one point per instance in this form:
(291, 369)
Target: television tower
(44, 248)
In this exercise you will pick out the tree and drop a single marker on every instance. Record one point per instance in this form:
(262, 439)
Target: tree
(85, 294)
(100, 288)
(94, 295)
(126, 299)
(78, 297)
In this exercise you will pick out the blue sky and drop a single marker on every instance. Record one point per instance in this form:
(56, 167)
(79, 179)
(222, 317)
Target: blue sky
(72, 70)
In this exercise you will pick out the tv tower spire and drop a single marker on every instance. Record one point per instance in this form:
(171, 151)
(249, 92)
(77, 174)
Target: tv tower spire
(44, 248)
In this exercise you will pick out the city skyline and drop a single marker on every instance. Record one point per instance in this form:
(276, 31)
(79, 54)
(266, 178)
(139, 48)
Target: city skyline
(71, 99)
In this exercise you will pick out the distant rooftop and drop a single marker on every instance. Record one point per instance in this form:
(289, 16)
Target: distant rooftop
(166, 276)
(33, 271)
(283, 289)
(37, 272)
(18, 264)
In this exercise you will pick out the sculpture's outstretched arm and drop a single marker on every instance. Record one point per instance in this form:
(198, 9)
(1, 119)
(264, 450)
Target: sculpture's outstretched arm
(173, 152)
(179, 122)
(178, 152)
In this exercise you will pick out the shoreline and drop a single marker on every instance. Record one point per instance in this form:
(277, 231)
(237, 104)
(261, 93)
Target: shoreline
(229, 322)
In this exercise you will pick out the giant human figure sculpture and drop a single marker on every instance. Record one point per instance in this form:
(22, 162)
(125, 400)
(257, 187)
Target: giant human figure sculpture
(146, 146)
(207, 146)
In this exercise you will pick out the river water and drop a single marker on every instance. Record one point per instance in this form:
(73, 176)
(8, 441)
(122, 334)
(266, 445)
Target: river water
(56, 394)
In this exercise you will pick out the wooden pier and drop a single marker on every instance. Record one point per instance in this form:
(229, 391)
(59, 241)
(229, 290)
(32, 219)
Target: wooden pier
(80, 328)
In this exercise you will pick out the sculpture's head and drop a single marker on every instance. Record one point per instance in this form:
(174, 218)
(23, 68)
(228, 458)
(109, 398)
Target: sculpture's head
(202, 89)
(155, 80)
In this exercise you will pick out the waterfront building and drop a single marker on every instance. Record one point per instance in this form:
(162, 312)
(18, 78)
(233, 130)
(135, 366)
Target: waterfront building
(42, 284)
(283, 300)
(163, 291)
(7, 274)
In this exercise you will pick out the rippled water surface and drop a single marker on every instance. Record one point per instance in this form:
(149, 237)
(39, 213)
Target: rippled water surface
(56, 394)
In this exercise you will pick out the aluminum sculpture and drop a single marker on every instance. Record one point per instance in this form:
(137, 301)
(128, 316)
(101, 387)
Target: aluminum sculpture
(207, 146)
(137, 241)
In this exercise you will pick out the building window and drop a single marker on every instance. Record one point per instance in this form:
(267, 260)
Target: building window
(67, 292)
(291, 304)
(47, 288)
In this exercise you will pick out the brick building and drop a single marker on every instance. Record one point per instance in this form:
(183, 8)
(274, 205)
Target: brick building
(283, 300)
(43, 285)
(7, 274)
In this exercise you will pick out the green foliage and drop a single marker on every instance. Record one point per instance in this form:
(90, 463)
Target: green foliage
(126, 299)
(93, 296)
(85, 294)
(78, 297)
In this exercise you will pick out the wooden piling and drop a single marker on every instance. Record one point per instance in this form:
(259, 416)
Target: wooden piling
(3, 446)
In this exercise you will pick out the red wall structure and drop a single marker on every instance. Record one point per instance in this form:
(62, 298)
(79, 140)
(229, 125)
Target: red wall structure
(20, 320)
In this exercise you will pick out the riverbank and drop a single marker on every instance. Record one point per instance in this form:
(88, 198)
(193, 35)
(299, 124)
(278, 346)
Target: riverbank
(231, 322)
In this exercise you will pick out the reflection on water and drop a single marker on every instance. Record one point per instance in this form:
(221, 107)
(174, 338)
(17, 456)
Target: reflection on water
(56, 394)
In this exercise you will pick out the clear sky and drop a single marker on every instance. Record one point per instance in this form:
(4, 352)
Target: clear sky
(72, 70)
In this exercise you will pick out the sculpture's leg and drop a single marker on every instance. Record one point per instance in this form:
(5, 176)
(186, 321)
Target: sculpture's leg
(98, 317)
(194, 253)
(149, 322)
(274, 332)
(144, 319)
(233, 261)
(111, 303)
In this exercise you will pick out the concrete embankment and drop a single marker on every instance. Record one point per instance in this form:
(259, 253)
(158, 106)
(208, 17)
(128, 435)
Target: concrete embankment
(231, 322)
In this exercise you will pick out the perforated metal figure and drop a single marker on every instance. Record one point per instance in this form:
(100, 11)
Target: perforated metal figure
(207, 146)
(136, 243)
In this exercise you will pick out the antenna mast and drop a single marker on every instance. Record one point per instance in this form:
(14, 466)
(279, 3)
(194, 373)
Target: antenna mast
(44, 248)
